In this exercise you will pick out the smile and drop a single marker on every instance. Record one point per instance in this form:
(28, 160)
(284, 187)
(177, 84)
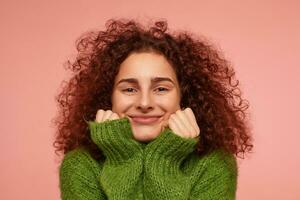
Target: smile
(145, 120)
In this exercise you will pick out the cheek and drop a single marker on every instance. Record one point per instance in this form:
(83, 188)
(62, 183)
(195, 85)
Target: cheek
(120, 104)
(170, 105)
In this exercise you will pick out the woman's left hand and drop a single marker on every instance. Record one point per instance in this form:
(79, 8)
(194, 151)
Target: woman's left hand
(184, 123)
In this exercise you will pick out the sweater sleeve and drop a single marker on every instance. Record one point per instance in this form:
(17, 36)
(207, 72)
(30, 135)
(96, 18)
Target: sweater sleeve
(167, 176)
(79, 177)
(163, 157)
(218, 178)
(121, 176)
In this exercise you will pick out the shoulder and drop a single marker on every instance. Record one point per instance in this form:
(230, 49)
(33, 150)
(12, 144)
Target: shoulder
(79, 161)
(77, 156)
(217, 163)
(78, 176)
(220, 159)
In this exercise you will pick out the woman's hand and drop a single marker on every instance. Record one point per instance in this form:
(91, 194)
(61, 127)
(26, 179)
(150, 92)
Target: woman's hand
(164, 156)
(184, 124)
(103, 115)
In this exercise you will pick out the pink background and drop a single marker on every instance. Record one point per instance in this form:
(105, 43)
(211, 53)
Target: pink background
(261, 38)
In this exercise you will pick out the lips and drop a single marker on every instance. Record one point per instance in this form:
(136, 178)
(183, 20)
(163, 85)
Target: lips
(145, 119)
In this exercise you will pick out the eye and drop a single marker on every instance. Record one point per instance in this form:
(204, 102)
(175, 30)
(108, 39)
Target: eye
(130, 90)
(162, 89)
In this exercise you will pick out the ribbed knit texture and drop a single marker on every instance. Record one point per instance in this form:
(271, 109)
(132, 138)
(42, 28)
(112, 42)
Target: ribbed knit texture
(166, 168)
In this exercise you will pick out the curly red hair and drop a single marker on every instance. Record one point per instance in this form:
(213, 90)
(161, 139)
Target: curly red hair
(207, 82)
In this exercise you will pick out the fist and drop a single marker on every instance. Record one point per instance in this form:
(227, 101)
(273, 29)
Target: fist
(102, 115)
(184, 124)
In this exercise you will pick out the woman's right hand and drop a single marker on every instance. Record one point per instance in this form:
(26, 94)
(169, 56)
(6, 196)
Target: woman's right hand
(103, 115)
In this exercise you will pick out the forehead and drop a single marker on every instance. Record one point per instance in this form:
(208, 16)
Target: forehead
(145, 65)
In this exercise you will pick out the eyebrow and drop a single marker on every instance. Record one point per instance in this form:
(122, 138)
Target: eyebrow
(153, 80)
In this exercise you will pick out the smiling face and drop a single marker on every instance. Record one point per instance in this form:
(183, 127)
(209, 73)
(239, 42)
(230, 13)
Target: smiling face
(147, 91)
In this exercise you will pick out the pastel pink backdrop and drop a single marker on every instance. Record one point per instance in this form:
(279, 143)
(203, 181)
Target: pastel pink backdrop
(261, 38)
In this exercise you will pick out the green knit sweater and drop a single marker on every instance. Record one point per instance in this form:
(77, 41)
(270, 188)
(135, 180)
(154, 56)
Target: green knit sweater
(165, 168)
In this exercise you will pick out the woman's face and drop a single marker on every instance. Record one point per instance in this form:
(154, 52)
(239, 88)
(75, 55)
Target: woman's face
(146, 90)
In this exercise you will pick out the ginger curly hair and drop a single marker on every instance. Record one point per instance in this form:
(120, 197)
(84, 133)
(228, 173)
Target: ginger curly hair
(207, 82)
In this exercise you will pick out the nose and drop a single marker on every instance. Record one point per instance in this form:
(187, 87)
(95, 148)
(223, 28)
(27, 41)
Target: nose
(145, 102)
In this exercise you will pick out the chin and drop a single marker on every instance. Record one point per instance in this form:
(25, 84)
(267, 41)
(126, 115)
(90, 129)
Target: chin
(140, 138)
(145, 134)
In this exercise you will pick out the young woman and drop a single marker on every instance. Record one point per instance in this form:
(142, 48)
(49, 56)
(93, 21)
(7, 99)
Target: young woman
(150, 114)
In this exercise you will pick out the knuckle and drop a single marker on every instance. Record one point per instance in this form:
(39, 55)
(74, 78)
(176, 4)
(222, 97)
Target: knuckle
(189, 110)
(114, 115)
(99, 111)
